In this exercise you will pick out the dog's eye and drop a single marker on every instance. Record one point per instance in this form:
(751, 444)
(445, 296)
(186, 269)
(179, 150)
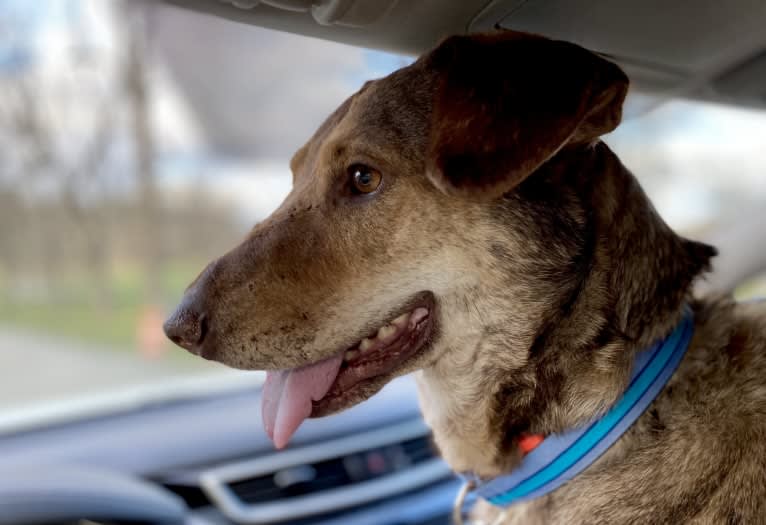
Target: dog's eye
(364, 179)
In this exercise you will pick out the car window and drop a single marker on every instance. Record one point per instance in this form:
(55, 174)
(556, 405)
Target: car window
(132, 155)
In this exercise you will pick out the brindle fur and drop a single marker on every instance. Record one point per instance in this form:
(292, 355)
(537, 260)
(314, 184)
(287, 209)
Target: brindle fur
(550, 270)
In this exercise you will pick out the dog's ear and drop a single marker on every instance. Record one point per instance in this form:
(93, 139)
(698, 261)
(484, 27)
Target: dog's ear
(506, 102)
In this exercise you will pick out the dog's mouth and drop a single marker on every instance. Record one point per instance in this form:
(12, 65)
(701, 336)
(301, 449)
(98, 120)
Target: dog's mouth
(348, 377)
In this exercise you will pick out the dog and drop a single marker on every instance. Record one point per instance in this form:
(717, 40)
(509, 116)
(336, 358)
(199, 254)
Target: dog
(461, 219)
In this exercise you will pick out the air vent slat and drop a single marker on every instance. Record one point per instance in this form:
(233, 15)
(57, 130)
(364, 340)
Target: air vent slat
(418, 449)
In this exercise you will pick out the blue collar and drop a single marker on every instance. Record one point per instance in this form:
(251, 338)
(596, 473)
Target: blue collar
(560, 457)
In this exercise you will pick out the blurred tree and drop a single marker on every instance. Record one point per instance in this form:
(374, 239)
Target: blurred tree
(135, 71)
(46, 163)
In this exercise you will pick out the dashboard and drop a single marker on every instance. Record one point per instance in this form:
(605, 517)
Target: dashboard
(208, 461)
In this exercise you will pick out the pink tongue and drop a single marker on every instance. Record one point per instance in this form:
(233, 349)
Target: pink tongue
(287, 396)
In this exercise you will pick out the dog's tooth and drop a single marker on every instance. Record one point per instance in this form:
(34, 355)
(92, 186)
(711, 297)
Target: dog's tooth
(351, 354)
(384, 332)
(401, 320)
(418, 315)
(365, 345)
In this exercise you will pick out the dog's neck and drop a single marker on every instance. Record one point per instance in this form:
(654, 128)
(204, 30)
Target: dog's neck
(625, 291)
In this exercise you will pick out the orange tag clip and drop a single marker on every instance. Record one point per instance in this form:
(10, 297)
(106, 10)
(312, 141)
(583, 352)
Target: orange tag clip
(529, 442)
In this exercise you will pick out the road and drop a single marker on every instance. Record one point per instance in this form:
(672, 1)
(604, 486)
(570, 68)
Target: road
(36, 368)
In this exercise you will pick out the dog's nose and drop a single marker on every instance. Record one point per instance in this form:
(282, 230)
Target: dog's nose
(187, 326)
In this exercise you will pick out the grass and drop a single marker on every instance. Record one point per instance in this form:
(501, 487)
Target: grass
(71, 309)
(115, 327)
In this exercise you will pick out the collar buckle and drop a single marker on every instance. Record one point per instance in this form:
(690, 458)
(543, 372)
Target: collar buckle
(457, 507)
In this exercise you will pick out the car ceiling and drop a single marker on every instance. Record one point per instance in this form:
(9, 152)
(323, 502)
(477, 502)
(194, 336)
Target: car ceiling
(703, 49)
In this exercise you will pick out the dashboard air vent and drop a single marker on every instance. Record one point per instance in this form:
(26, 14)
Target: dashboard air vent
(326, 477)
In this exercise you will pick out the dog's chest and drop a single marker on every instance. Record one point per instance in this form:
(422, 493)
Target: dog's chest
(528, 513)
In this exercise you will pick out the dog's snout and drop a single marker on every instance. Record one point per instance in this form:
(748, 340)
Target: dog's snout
(187, 326)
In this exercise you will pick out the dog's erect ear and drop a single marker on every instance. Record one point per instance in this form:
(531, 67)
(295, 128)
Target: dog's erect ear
(506, 102)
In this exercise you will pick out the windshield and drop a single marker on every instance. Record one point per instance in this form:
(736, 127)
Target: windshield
(141, 141)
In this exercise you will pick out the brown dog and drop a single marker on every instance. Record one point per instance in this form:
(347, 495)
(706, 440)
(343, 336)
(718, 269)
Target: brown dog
(460, 217)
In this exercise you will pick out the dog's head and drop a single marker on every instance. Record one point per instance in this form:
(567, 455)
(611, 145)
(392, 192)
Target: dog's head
(414, 236)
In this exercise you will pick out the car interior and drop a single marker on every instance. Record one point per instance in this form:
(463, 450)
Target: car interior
(200, 456)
